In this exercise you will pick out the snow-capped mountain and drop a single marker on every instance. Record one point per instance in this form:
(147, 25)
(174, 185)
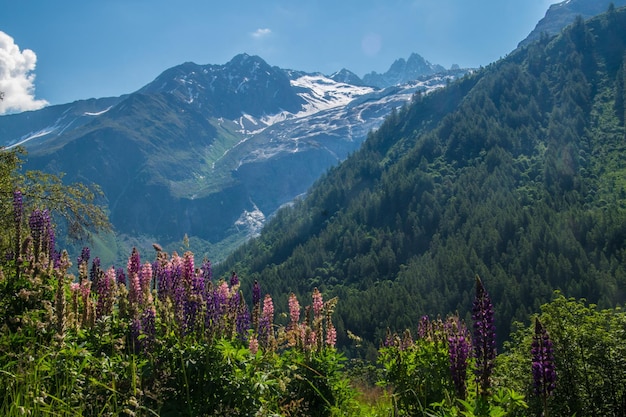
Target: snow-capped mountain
(403, 71)
(209, 150)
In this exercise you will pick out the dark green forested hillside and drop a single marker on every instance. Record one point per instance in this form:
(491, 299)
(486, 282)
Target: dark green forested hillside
(516, 173)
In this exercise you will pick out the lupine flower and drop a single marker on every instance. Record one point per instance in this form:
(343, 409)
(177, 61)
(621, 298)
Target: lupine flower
(94, 273)
(163, 279)
(135, 294)
(84, 255)
(256, 305)
(135, 332)
(543, 369)
(192, 304)
(120, 277)
(188, 267)
(134, 263)
(256, 293)
(148, 329)
(294, 310)
(458, 351)
(484, 337)
(331, 335)
(234, 279)
(145, 279)
(242, 319)
(318, 303)
(253, 345)
(37, 225)
(105, 288)
(424, 328)
(266, 321)
(207, 272)
(18, 206)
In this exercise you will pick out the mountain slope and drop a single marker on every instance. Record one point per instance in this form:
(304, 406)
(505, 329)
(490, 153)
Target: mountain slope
(515, 172)
(208, 151)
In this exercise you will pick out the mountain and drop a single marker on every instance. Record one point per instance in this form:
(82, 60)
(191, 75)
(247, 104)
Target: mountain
(402, 71)
(207, 151)
(514, 172)
(562, 14)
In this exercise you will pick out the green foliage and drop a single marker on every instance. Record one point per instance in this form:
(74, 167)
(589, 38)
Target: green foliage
(515, 173)
(590, 354)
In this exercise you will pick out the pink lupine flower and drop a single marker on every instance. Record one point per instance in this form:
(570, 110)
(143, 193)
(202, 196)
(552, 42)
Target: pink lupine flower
(318, 303)
(145, 278)
(294, 309)
(134, 291)
(188, 267)
(253, 345)
(331, 335)
(268, 308)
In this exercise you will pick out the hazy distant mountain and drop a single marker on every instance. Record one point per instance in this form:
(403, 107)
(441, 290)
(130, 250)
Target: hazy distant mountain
(402, 71)
(562, 14)
(208, 150)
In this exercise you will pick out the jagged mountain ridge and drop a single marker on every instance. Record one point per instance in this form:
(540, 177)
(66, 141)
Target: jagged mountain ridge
(402, 71)
(229, 143)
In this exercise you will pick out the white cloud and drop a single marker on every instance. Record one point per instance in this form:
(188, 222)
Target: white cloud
(261, 33)
(17, 77)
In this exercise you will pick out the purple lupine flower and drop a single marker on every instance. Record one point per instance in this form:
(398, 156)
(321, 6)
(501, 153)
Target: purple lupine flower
(148, 329)
(163, 279)
(207, 271)
(94, 273)
(105, 288)
(18, 207)
(95, 268)
(134, 263)
(36, 223)
(54, 255)
(459, 345)
(543, 369)
(256, 293)
(256, 305)
(242, 319)
(484, 341)
(135, 332)
(196, 295)
(188, 267)
(424, 327)
(120, 277)
(84, 255)
(234, 279)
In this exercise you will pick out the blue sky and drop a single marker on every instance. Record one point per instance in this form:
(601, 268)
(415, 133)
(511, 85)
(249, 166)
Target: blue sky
(56, 52)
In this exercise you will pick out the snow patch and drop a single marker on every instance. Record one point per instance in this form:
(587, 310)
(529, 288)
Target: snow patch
(251, 221)
(87, 113)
